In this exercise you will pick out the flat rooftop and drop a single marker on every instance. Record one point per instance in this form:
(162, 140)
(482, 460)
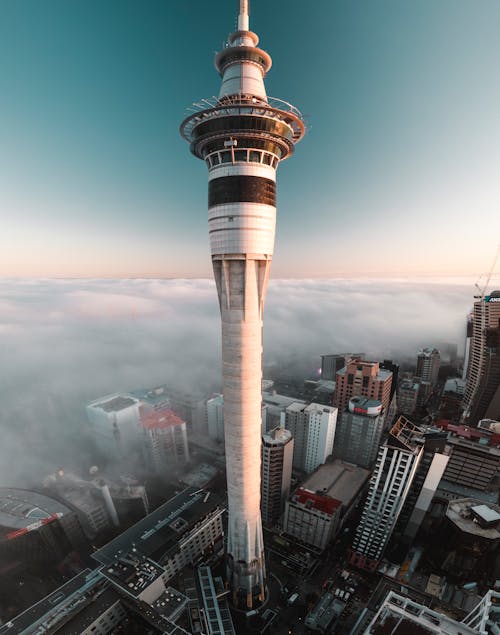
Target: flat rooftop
(460, 513)
(133, 573)
(114, 403)
(400, 616)
(281, 401)
(86, 580)
(339, 480)
(157, 535)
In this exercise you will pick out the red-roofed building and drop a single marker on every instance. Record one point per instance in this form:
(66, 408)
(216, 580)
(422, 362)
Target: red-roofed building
(316, 511)
(165, 440)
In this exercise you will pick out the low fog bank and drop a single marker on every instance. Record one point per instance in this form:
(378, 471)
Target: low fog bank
(66, 342)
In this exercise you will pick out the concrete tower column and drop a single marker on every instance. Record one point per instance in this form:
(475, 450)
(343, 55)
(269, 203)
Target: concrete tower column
(243, 135)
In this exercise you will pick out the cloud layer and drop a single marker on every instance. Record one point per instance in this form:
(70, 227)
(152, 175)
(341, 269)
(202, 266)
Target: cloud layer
(66, 342)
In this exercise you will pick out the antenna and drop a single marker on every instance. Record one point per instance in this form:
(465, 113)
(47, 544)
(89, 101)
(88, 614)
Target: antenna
(482, 291)
(243, 18)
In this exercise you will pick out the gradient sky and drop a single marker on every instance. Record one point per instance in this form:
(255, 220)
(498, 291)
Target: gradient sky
(399, 172)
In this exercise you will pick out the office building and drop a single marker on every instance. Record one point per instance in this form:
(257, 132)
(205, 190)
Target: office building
(318, 509)
(215, 418)
(424, 486)
(396, 465)
(313, 431)
(399, 615)
(36, 529)
(165, 440)
(359, 433)
(408, 396)
(469, 330)
(331, 364)
(277, 457)
(472, 464)
(115, 424)
(276, 406)
(483, 378)
(389, 365)
(428, 362)
(362, 379)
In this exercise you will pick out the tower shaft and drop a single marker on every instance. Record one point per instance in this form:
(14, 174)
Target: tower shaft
(243, 135)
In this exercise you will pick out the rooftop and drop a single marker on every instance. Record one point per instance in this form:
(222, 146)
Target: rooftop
(461, 513)
(158, 534)
(331, 485)
(324, 612)
(114, 403)
(132, 572)
(277, 436)
(401, 616)
(160, 419)
(406, 434)
(281, 401)
(20, 509)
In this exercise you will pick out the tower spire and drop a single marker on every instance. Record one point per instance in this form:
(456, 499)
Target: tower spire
(243, 18)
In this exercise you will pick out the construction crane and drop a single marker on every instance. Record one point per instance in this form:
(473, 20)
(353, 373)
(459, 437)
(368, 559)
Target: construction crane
(488, 277)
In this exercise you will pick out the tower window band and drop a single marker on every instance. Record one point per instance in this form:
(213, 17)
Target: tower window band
(241, 189)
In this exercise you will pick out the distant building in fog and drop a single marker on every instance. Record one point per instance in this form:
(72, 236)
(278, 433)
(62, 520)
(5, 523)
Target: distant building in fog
(428, 362)
(277, 456)
(215, 418)
(165, 440)
(408, 396)
(115, 423)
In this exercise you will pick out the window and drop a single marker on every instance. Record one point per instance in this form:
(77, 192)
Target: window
(240, 155)
(255, 156)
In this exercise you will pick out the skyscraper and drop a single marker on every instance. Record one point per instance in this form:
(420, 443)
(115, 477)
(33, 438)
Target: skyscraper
(428, 362)
(277, 453)
(363, 379)
(390, 483)
(359, 431)
(313, 430)
(483, 377)
(242, 135)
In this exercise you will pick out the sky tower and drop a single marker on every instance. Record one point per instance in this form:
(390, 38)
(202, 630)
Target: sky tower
(242, 135)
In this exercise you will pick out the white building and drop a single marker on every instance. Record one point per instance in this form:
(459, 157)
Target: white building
(396, 465)
(215, 416)
(313, 430)
(115, 423)
(165, 440)
(277, 456)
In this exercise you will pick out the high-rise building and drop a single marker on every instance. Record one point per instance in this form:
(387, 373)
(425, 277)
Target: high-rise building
(115, 423)
(276, 406)
(408, 396)
(390, 483)
(388, 364)
(215, 417)
(469, 330)
(484, 364)
(332, 363)
(362, 379)
(359, 432)
(277, 455)
(428, 362)
(165, 440)
(242, 135)
(313, 430)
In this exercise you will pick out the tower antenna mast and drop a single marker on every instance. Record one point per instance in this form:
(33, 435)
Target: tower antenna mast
(244, 16)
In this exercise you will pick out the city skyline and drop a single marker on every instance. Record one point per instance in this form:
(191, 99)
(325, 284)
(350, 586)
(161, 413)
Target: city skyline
(402, 155)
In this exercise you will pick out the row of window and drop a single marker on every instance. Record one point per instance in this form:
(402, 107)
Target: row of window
(246, 156)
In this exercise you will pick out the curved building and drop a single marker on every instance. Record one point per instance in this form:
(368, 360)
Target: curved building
(36, 528)
(242, 135)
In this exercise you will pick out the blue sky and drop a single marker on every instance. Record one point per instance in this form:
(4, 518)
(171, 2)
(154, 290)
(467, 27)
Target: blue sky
(398, 174)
